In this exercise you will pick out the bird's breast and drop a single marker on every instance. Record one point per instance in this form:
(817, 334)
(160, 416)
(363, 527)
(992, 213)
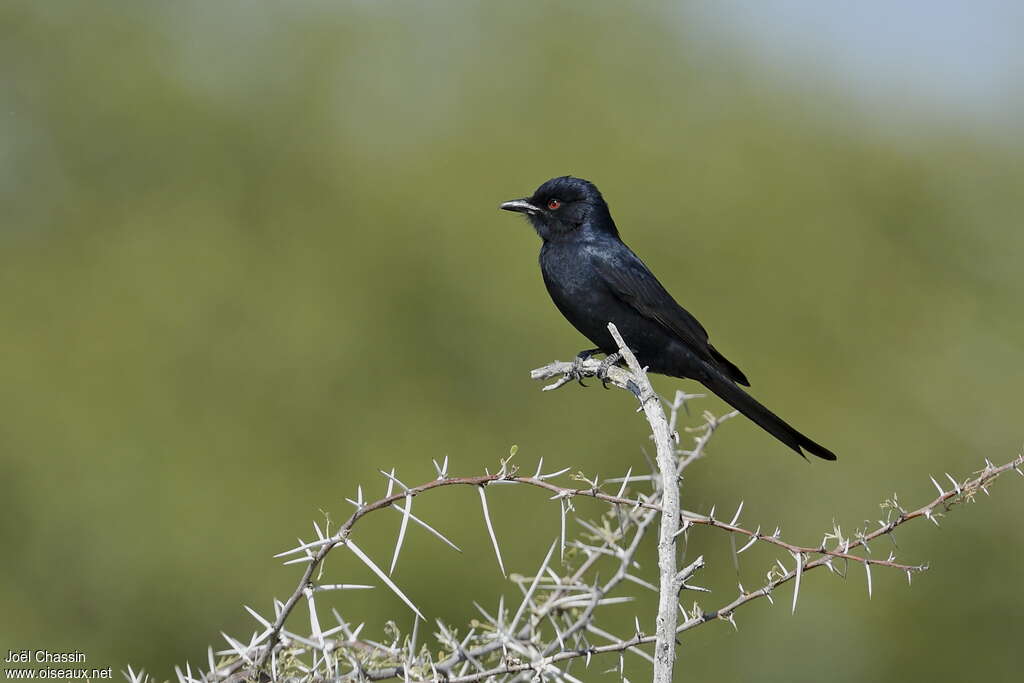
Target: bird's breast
(578, 291)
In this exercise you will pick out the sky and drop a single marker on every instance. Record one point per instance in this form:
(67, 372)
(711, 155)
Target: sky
(949, 58)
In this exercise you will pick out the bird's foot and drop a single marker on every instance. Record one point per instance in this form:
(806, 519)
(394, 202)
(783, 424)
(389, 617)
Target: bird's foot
(602, 371)
(576, 372)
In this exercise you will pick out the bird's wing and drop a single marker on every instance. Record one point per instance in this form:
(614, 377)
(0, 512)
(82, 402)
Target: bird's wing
(632, 282)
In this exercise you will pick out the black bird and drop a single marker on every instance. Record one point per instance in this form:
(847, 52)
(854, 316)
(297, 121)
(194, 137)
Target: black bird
(594, 279)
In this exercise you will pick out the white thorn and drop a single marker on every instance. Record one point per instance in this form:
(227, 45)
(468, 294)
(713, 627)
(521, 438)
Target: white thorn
(799, 573)
(490, 529)
(401, 532)
(736, 517)
(383, 577)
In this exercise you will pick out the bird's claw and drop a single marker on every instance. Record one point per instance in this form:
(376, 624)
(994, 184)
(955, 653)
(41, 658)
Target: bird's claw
(602, 371)
(576, 372)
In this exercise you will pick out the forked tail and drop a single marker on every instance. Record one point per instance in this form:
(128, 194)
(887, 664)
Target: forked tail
(762, 417)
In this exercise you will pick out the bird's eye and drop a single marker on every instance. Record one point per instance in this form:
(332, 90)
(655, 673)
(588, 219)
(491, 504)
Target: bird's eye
(554, 204)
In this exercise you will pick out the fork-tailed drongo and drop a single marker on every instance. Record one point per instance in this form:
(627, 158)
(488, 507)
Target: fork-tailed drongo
(594, 279)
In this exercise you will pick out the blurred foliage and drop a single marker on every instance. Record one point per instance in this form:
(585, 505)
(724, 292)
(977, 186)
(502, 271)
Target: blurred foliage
(251, 255)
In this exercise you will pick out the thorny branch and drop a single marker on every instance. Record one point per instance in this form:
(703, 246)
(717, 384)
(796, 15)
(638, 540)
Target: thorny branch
(553, 625)
(670, 582)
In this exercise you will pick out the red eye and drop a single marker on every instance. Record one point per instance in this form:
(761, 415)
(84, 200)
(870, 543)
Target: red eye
(554, 204)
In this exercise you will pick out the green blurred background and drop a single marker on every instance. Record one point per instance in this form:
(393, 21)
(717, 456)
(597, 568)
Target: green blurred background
(251, 253)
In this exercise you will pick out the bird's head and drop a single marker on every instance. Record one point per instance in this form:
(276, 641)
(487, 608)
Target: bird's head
(562, 205)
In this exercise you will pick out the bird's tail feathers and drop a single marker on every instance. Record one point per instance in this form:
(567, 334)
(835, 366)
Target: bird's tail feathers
(728, 367)
(727, 390)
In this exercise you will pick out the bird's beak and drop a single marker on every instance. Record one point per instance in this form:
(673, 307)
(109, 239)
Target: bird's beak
(522, 206)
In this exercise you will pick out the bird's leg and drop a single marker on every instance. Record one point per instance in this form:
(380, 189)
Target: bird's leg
(576, 372)
(602, 371)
